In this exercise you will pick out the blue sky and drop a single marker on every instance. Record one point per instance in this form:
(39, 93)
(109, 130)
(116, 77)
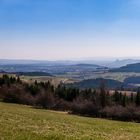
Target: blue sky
(67, 29)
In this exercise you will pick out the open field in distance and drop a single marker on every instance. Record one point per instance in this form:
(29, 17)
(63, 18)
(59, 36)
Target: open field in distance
(54, 80)
(119, 76)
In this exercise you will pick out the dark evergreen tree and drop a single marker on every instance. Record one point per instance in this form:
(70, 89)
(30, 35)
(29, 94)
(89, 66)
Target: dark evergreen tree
(102, 94)
(18, 80)
(137, 101)
(132, 98)
(120, 98)
(116, 97)
(124, 99)
(35, 82)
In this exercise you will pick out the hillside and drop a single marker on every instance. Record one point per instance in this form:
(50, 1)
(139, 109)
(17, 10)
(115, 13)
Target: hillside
(95, 83)
(33, 74)
(52, 69)
(132, 80)
(128, 68)
(121, 63)
(23, 122)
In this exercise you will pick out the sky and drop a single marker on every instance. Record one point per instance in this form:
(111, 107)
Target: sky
(69, 29)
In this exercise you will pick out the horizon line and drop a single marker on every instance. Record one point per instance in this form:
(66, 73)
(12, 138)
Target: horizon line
(74, 59)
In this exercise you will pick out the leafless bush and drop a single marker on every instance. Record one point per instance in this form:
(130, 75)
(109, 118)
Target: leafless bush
(85, 107)
(45, 100)
(63, 105)
(18, 96)
(130, 113)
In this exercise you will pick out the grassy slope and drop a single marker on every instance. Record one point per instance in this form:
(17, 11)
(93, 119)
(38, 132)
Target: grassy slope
(19, 122)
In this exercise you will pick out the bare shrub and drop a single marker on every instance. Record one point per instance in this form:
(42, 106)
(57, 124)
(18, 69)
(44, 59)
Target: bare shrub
(45, 100)
(85, 107)
(130, 113)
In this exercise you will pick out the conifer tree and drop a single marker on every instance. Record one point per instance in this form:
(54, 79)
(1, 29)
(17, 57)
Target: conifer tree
(132, 98)
(137, 101)
(124, 101)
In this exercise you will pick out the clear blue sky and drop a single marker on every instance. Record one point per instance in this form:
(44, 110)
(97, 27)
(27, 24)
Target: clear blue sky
(66, 29)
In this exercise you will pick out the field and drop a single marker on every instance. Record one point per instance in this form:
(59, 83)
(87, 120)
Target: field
(119, 76)
(18, 122)
(77, 77)
(54, 80)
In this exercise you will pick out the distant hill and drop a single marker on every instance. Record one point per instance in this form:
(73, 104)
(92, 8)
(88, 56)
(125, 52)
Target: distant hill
(95, 83)
(121, 63)
(33, 73)
(128, 68)
(86, 65)
(52, 69)
(111, 63)
(27, 73)
(1, 71)
(58, 62)
(132, 80)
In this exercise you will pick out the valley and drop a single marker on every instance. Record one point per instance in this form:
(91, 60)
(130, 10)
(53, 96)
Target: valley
(75, 73)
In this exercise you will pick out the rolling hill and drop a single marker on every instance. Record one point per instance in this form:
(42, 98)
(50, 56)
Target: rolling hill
(95, 83)
(132, 80)
(33, 74)
(128, 68)
(121, 63)
(52, 69)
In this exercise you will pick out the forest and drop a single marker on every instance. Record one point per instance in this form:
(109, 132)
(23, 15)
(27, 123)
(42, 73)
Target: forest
(99, 103)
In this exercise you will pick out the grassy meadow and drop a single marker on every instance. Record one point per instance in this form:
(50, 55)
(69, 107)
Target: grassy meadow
(18, 122)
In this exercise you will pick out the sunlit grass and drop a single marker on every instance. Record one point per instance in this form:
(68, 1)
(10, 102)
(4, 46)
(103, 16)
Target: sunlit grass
(19, 122)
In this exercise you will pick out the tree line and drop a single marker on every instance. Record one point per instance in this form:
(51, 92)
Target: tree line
(88, 102)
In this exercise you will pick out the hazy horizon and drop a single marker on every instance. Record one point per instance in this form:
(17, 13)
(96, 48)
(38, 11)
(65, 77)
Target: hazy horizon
(69, 30)
(77, 59)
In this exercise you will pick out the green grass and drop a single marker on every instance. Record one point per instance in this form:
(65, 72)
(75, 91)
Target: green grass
(18, 122)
